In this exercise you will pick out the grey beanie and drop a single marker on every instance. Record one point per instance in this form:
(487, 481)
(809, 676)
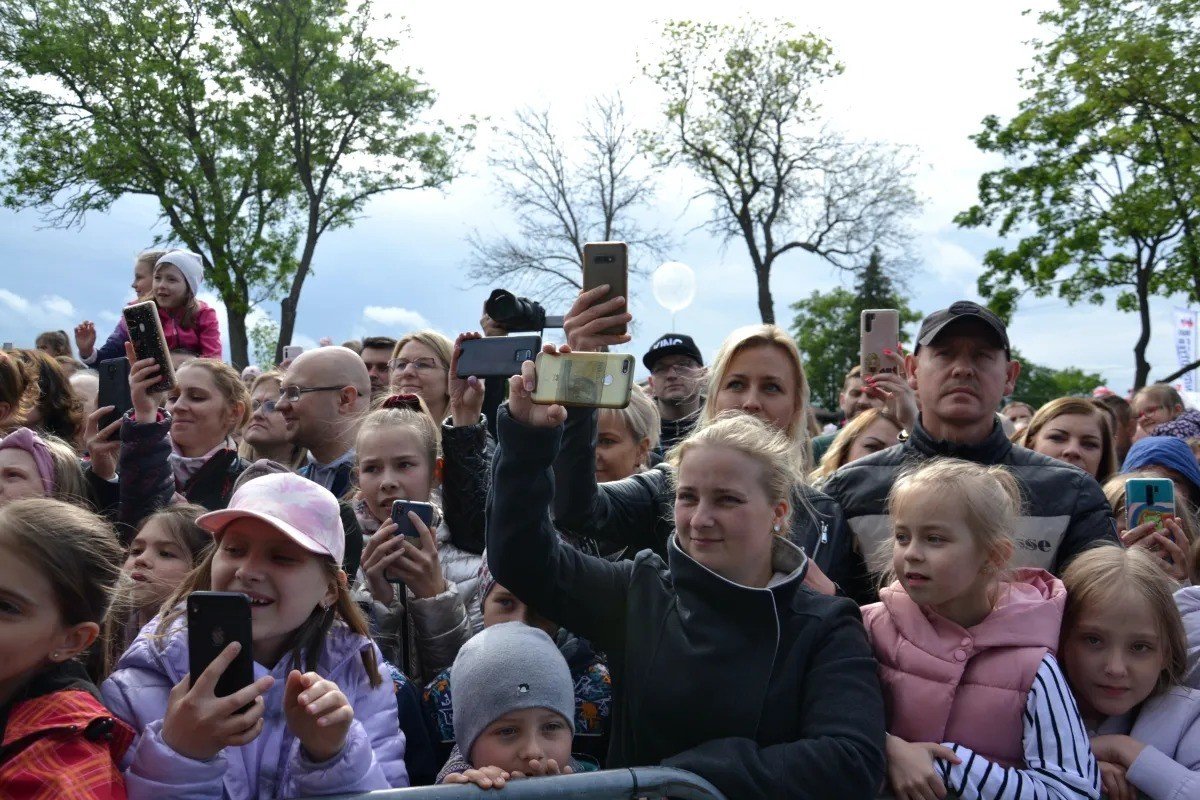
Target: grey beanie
(189, 264)
(505, 668)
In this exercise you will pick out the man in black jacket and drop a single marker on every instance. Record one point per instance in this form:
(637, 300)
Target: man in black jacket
(961, 368)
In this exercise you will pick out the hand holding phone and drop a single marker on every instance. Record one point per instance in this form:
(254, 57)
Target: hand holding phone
(593, 380)
(149, 341)
(404, 524)
(520, 395)
(114, 389)
(607, 263)
(879, 332)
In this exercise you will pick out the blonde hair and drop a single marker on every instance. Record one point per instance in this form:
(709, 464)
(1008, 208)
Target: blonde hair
(70, 482)
(755, 439)
(1164, 395)
(1114, 491)
(640, 417)
(838, 454)
(1104, 576)
(1082, 407)
(748, 338)
(421, 422)
(229, 384)
(249, 452)
(990, 498)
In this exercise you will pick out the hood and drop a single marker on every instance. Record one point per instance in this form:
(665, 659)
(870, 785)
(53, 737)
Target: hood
(1028, 613)
(168, 654)
(690, 575)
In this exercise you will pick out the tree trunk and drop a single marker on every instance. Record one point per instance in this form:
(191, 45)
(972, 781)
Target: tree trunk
(235, 322)
(290, 304)
(766, 305)
(1142, 367)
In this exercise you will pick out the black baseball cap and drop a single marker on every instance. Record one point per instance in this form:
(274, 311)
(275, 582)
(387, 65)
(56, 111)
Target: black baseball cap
(672, 344)
(938, 321)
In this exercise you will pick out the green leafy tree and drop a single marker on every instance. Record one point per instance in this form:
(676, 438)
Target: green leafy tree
(826, 328)
(1102, 181)
(263, 338)
(742, 116)
(189, 102)
(1038, 385)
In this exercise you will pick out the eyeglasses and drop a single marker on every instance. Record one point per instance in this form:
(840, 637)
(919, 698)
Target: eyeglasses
(292, 393)
(1148, 410)
(423, 364)
(266, 406)
(681, 368)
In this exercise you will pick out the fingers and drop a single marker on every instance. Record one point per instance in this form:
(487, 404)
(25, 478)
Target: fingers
(247, 694)
(208, 679)
(529, 375)
(944, 753)
(428, 543)
(1134, 535)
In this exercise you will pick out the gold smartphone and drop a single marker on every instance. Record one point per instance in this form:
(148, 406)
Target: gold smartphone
(596, 380)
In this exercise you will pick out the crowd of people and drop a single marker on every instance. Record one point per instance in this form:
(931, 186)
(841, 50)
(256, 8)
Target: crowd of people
(940, 598)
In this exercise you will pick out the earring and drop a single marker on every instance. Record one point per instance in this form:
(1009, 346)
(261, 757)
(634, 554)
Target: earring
(776, 527)
(54, 656)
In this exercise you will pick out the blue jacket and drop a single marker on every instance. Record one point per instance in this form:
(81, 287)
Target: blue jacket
(272, 766)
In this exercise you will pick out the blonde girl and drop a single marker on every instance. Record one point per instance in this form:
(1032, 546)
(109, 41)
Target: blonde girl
(871, 431)
(1124, 652)
(965, 648)
(332, 722)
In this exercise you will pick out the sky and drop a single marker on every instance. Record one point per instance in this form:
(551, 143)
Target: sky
(920, 74)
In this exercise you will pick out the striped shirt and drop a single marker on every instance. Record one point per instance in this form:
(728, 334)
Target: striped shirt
(1058, 754)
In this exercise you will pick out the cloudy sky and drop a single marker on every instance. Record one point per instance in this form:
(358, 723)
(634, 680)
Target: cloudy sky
(921, 74)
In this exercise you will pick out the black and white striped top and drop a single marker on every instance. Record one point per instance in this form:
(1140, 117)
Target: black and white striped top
(1058, 755)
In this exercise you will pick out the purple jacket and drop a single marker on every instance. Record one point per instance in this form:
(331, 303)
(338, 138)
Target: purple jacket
(1169, 724)
(1188, 601)
(272, 766)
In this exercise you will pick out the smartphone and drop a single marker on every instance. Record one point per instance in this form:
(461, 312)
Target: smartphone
(404, 525)
(7, 346)
(214, 620)
(596, 380)
(292, 351)
(879, 330)
(146, 333)
(114, 389)
(1149, 500)
(607, 262)
(496, 356)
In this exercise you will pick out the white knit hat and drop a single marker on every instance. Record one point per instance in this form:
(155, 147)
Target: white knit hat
(189, 264)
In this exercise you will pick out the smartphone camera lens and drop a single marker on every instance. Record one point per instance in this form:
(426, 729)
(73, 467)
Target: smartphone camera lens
(869, 323)
(605, 259)
(524, 355)
(624, 367)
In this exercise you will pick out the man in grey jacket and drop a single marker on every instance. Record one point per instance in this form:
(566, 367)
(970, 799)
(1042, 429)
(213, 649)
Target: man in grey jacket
(961, 368)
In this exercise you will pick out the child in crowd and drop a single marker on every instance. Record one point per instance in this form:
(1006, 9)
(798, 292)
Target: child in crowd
(321, 719)
(513, 708)
(187, 321)
(1170, 542)
(397, 457)
(168, 546)
(589, 673)
(58, 567)
(39, 466)
(976, 703)
(1124, 653)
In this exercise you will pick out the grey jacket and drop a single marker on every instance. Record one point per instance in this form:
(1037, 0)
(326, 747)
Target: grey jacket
(1188, 601)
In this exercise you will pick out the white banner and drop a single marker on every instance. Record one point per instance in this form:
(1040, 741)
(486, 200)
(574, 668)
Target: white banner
(1185, 346)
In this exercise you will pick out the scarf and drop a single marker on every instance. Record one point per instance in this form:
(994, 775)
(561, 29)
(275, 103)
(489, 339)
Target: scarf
(184, 468)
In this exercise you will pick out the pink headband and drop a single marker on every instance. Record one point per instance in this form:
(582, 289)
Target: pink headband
(30, 442)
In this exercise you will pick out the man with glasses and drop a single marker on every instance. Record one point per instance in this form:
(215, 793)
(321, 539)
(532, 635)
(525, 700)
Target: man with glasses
(323, 397)
(676, 377)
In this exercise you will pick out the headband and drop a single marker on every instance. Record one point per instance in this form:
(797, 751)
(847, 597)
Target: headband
(30, 442)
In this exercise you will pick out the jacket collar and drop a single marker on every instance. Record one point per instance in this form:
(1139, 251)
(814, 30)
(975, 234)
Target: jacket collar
(690, 577)
(991, 450)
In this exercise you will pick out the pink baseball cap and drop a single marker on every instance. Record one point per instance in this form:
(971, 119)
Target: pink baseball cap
(301, 510)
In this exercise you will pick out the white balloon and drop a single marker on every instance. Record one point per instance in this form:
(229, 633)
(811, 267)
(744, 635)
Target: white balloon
(674, 286)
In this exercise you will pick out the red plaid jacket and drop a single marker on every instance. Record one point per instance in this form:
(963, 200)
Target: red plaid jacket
(63, 746)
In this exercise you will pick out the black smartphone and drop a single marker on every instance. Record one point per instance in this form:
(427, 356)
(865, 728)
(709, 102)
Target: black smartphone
(404, 525)
(214, 620)
(496, 356)
(114, 389)
(146, 333)
(607, 263)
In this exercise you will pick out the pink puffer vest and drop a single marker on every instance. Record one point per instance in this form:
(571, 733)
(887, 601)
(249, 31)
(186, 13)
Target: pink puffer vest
(945, 683)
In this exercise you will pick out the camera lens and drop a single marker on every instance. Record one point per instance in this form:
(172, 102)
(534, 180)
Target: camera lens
(624, 367)
(605, 259)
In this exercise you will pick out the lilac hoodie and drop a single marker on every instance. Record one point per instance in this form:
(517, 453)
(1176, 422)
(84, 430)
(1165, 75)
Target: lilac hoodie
(1169, 725)
(1188, 601)
(272, 766)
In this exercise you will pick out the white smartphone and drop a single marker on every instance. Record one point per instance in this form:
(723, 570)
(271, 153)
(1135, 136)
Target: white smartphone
(291, 351)
(879, 330)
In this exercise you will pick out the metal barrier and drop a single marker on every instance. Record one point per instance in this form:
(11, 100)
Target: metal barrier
(610, 784)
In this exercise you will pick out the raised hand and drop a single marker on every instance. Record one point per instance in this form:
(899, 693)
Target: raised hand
(587, 318)
(894, 389)
(142, 375)
(520, 396)
(317, 713)
(466, 394)
(1166, 545)
(198, 724)
(85, 338)
(102, 444)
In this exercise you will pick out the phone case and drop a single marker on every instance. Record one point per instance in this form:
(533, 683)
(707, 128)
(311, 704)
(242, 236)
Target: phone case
(292, 351)
(596, 380)
(496, 356)
(214, 620)
(879, 330)
(1148, 500)
(607, 263)
(146, 333)
(114, 389)
(404, 525)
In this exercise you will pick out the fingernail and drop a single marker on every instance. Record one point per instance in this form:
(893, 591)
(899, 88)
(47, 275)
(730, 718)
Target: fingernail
(887, 351)
(312, 707)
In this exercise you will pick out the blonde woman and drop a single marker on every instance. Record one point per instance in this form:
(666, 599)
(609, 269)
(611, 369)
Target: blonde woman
(871, 431)
(1074, 430)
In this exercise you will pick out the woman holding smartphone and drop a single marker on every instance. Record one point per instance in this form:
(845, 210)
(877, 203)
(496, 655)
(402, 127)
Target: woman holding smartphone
(782, 698)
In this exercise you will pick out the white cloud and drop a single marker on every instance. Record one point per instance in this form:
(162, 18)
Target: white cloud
(50, 309)
(59, 305)
(14, 301)
(395, 316)
(951, 263)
